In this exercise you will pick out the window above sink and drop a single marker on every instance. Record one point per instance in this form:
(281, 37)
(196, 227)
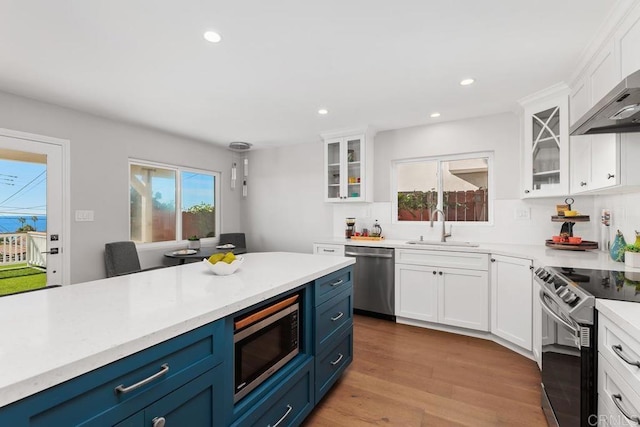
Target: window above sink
(461, 185)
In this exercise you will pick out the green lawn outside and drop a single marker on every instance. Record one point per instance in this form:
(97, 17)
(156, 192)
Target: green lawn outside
(19, 277)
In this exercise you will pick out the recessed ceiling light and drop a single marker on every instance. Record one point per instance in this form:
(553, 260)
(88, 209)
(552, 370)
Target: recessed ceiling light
(212, 36)
(466, 82)
(323, 111)
(434, 115)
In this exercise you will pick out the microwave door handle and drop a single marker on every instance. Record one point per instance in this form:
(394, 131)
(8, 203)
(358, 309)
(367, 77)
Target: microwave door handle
(550, 312)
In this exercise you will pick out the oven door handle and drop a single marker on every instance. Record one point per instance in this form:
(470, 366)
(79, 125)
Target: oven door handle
(550, 312)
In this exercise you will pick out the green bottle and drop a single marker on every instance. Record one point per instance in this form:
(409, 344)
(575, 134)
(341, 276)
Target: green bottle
(617, 247)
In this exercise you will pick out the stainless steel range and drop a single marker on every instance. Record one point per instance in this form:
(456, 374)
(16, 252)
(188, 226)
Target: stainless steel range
(569, 326)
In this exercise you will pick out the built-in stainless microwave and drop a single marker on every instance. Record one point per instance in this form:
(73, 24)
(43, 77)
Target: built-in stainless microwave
(263, 342)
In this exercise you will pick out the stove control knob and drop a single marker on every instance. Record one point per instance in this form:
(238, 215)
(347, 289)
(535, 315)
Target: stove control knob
(572, 299)
(550, 278)
(562, 291)
(539, 271)
(568, 297)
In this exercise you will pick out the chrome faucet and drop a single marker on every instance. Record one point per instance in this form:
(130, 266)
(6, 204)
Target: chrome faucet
(444, 236)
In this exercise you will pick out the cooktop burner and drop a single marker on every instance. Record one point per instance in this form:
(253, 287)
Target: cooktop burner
(605, 284)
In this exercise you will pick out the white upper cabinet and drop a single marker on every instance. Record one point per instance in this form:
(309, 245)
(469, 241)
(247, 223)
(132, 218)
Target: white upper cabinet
(629, 43)
(546, 143)
(603, 163)
(348, 167)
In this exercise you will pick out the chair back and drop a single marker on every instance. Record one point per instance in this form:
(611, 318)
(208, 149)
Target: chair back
(121, 258)
(236, 239)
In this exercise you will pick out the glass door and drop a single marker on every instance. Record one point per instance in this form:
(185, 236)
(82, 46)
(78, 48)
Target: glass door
(31, 214)
(546, 148)
(354, 168)
(333, 171)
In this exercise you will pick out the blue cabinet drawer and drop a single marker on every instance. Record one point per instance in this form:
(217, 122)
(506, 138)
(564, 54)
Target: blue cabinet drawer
(288, 405)
(121, 384)
(331, 284)
(333, 315)
(331, 363)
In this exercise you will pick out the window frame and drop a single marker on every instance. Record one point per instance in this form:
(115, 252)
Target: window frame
(489, 155)
(178, 203)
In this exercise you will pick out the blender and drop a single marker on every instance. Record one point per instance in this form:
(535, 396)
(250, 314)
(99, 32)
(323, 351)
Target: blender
(351, 227)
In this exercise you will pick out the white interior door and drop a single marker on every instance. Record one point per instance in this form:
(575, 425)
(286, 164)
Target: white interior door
(34, 148)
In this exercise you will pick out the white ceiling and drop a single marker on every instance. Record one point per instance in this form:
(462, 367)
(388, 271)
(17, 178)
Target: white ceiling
(383, 63)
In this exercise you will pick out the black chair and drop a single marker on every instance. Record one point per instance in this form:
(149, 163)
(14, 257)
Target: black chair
(236, 239)
(121, 258)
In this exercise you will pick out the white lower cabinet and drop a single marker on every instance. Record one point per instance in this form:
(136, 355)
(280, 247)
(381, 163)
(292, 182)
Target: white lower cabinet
(512, 299)
(618, 375)
(427, 290)
(536, 327)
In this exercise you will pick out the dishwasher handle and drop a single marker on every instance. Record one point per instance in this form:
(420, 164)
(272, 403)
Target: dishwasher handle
(366, 255)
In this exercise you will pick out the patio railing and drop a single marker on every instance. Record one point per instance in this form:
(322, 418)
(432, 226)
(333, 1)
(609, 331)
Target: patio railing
(18, 248)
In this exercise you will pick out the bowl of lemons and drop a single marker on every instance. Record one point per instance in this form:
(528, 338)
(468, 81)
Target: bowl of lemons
(223, 264)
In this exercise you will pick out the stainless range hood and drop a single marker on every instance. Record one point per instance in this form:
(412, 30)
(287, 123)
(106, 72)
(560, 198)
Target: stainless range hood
(617, 112)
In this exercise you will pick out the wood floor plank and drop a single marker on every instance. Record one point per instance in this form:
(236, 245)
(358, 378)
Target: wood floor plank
(408, 376)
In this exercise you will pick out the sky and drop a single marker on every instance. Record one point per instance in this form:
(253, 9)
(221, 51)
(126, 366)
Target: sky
(23, 188)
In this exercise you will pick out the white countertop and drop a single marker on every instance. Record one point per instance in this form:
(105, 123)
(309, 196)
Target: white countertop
(624, 314)
(53, 335)
(540, 254)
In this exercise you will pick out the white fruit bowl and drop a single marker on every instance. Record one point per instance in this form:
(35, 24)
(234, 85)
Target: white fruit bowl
(221, 268)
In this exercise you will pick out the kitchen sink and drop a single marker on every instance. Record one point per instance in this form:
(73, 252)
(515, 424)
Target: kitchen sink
(435, 243)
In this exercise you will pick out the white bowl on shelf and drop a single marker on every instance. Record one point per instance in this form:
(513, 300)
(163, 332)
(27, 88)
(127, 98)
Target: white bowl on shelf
(221, 268)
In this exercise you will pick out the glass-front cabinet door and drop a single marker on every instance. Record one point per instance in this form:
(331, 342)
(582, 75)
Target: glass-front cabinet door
(546, 138)
(344, 169)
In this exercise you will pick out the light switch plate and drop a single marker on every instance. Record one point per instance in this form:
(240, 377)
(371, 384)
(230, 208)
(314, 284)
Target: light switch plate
(523, 214)
(84, 215)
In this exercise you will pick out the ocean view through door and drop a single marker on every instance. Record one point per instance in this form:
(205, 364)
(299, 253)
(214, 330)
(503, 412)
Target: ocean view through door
(31, 212)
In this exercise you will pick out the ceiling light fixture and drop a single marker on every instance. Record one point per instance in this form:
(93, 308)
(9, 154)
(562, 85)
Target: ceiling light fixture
(323, 111)
(466, 82)
(212, 36)
(434, 115)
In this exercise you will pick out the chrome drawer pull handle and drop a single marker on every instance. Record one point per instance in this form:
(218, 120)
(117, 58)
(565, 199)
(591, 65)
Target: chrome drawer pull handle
(328, 250)
(158, 422)
(617, 349)
(337, 282)
(333, 319)
(340, 356)
(289, 409)
(124, 390)
(616, 398)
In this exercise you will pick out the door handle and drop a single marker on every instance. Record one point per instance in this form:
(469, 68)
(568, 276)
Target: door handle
(52, 251)
(364, 255)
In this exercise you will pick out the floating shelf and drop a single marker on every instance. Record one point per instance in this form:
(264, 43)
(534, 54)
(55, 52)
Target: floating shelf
(582, 246)
(577, 218)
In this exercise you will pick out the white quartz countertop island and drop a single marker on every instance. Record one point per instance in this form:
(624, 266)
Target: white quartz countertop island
(53, 335)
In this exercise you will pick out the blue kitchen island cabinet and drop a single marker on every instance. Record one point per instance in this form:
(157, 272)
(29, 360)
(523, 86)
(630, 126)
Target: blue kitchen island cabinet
(333, 321)
(187, 378)
(181, 372)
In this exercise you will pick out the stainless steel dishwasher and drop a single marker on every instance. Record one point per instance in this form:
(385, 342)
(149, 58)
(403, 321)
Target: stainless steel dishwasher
(373, 280)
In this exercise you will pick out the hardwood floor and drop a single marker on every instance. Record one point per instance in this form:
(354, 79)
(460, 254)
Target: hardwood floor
(408, 376)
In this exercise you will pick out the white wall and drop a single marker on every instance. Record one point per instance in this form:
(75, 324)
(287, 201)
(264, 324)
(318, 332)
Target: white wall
(100, 150)
(285, 209)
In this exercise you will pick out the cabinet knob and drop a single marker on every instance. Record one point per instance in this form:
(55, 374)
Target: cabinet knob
(158, 422)
(434, 272)
(531, 267)
(610, 175)
(582, 183)
(440, 273)
(527, 191)
(493, 260)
